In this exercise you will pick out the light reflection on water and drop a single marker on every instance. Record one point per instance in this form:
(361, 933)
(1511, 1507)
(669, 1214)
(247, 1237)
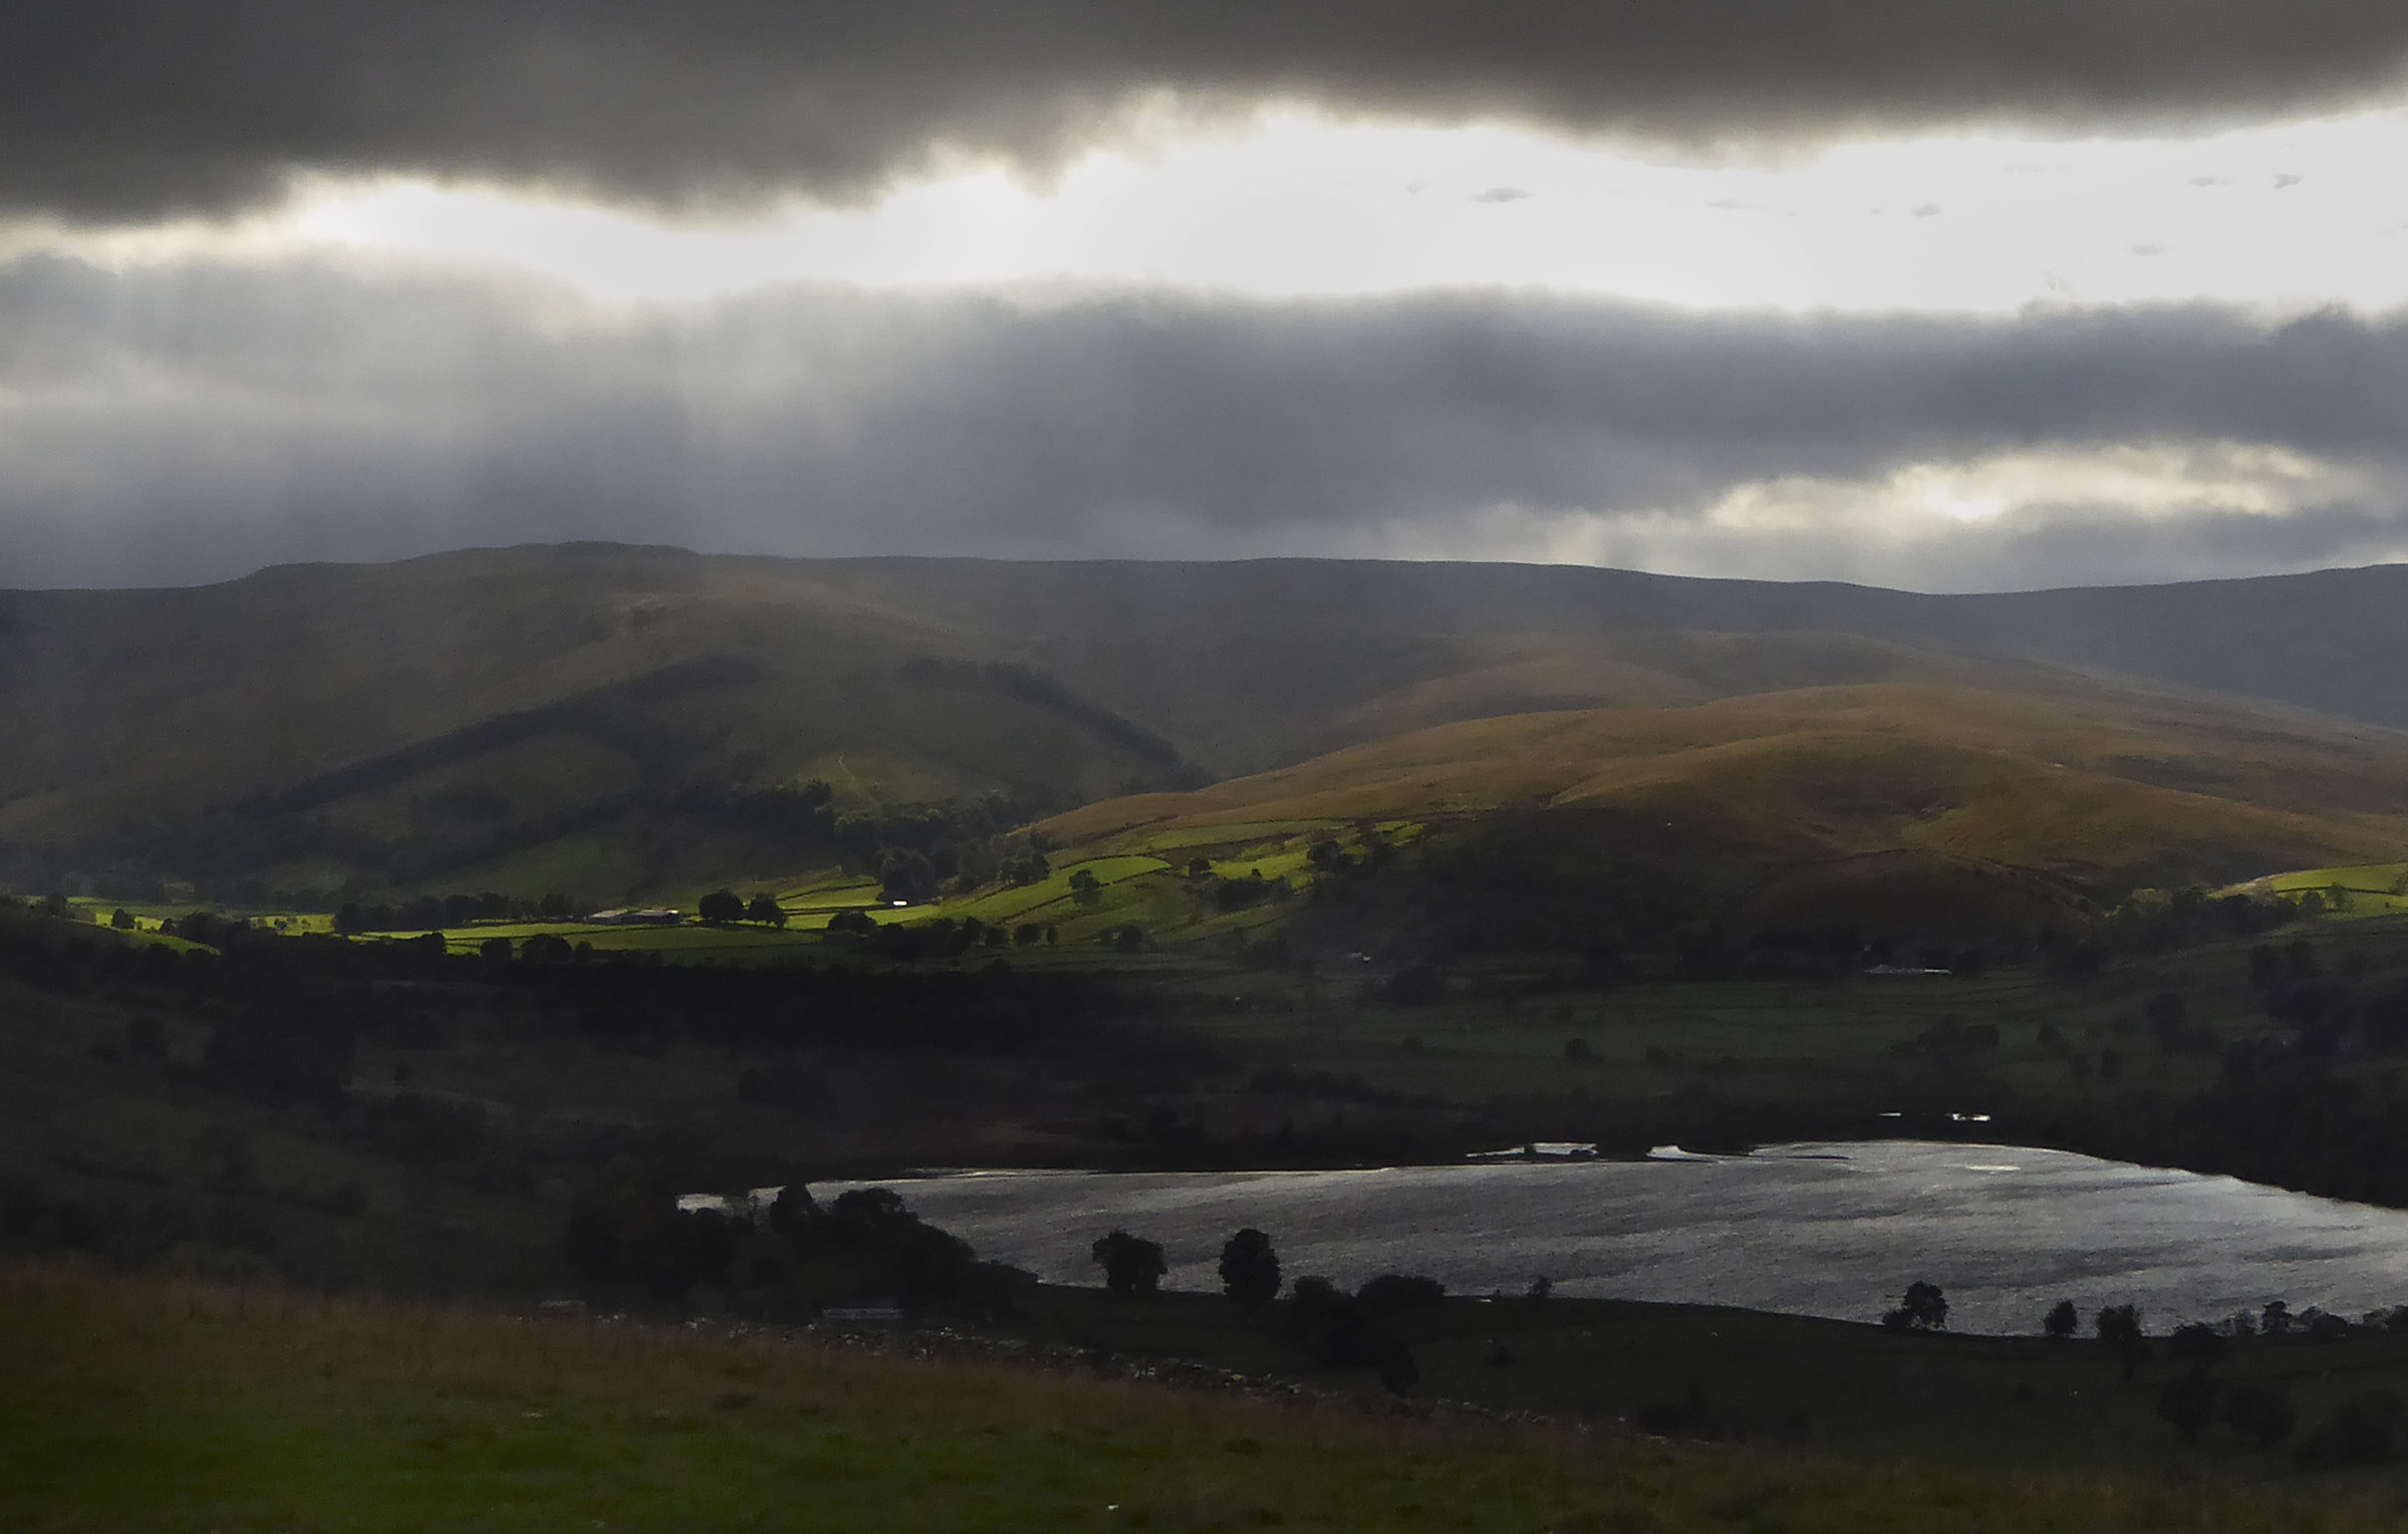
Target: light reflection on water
(1824, 1230)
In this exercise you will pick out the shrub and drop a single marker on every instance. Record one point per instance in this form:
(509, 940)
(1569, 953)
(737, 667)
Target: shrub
(2062, 1320)
(1393, 1293)
(546, 948)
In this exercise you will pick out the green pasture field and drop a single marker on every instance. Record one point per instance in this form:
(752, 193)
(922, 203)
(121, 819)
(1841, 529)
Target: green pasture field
(827, 897)
(2369, 890)
(1050, 900)
(691, 940)
(176, 1406)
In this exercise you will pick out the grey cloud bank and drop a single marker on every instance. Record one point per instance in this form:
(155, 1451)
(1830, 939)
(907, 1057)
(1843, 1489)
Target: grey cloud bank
(193, 423)
(112, 110)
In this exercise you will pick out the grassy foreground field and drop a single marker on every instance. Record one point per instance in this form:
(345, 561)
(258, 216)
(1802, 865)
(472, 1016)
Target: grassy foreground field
(157, 1404)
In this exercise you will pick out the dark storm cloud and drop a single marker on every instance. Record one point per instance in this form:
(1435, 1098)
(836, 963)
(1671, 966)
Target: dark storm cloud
(112, 109)
(196, 421)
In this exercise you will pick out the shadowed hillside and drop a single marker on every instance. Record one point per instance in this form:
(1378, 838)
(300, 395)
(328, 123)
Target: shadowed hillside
(618, 719)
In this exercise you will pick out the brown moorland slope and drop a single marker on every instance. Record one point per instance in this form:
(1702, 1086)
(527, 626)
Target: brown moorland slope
(2090, 789)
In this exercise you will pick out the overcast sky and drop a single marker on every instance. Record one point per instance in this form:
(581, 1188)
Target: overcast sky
(1944, 294)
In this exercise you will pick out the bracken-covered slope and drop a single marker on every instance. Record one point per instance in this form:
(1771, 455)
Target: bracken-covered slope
(1779, 806)
(578, 716)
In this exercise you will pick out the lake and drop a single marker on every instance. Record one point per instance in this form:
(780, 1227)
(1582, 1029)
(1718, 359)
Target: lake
(1815, 1229)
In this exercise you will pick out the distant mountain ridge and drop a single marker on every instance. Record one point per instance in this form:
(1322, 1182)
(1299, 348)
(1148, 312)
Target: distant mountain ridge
(321, 726)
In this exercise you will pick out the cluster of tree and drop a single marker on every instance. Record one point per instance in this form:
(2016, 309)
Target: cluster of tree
(1336, 1328)
(1330, 860)
(941, 939)
(916, 851)
(1923, 1309)
(723, 907)
(201, 926)
(433, 913)
(1360, 1329)
(629, 1239)
(2326, 1013)
(2161, 920)
(1228, 894)
(2364, 1428)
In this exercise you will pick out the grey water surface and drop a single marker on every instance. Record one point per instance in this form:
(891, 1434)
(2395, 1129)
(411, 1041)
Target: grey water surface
(1816, 1229)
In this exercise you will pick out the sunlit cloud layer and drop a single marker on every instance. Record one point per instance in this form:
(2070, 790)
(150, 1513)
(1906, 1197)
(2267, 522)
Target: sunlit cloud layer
(2291, 215)
(189, 422)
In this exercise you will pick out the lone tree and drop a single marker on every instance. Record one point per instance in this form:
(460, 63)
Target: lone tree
(766, 910)
(1133, 1266)
(721, 905)
(1924, 1309)
(2119, 1328)
(1249, 1269)
(2062, 1320)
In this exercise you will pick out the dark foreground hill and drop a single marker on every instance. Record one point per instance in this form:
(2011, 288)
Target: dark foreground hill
(621, 720)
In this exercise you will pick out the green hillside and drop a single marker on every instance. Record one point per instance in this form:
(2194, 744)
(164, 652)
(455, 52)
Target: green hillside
(593, 719)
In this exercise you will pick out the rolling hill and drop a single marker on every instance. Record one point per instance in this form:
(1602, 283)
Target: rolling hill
(1908, 805)
(623, 721)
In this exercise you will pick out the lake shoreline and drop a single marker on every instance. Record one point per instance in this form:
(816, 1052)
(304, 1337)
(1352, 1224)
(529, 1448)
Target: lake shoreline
(1835, 1229)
